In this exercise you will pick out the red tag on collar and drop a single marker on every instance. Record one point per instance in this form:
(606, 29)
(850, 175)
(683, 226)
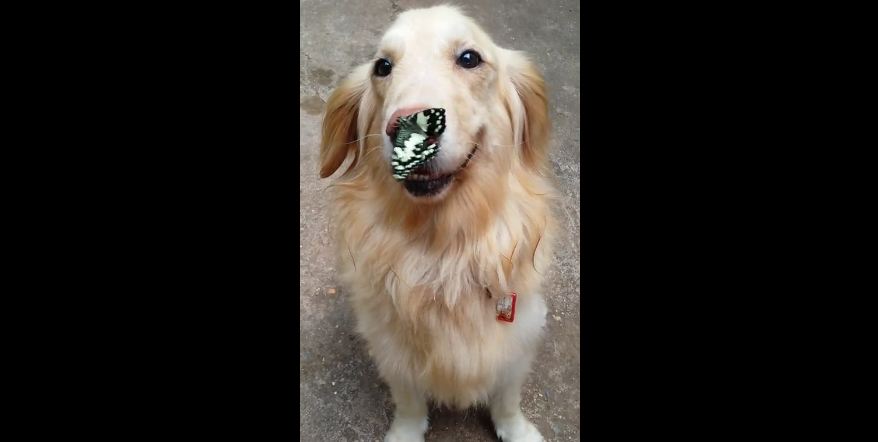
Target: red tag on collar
(506, 308)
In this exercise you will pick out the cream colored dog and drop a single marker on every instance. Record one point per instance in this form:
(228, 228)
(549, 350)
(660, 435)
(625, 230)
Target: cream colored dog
(428, 258)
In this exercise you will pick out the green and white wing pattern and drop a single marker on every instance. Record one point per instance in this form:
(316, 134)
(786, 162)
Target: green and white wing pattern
(409, 149)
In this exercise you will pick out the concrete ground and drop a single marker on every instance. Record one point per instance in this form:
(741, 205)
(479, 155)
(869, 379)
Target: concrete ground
(342, 397)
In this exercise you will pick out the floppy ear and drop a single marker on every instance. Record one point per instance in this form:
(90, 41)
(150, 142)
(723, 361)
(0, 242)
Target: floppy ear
(529, 109)
(340, 123)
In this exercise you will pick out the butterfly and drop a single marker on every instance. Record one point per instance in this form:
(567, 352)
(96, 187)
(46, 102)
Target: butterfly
(415, 142)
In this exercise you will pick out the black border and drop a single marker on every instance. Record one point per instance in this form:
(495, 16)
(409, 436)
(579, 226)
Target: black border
(171, 241)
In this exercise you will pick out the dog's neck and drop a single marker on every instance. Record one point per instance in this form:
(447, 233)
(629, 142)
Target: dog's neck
(472, 241)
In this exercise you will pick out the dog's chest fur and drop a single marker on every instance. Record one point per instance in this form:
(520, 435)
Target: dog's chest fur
(429, 316)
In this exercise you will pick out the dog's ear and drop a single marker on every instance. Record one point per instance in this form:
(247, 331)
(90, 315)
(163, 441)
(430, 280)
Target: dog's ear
(528, 106)
(341, 121)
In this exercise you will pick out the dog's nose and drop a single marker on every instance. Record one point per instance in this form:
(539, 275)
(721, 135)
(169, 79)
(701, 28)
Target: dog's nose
(393, 125)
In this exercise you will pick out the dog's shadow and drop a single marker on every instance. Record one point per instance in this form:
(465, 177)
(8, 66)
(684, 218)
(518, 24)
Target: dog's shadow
(447, 424)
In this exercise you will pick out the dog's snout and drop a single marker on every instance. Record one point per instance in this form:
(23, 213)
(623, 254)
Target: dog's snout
(393, 125)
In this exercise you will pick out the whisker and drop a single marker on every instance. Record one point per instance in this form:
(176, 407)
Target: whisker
(495, 144)
(338, 184)
(361, 138)
(372, 149)
(345, 179)
(364, 137)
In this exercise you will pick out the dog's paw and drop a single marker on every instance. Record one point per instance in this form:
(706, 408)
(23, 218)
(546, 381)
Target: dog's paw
(517, 429)
(407, 430)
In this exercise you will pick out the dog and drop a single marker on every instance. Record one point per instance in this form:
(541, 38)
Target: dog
(430, 259)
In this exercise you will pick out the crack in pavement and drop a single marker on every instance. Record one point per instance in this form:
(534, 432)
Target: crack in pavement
(311, 83)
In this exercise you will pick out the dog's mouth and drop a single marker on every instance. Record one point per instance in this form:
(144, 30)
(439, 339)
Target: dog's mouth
(425, 181)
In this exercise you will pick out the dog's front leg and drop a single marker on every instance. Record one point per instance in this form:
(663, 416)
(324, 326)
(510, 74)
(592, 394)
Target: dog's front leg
(410, 418)
(509, 421)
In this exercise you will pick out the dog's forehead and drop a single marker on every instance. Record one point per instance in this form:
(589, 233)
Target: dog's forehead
(428, 29)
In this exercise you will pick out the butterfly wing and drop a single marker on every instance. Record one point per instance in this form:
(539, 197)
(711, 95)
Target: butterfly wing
(435, 122)
(410, 149)
(406, 148)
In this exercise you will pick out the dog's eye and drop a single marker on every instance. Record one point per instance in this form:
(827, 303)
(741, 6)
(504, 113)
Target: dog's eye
(469, 59)
(382, 67)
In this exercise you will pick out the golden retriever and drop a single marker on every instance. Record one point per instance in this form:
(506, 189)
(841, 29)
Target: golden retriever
(428, 258)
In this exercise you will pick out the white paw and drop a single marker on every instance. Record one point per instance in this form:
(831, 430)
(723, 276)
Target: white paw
(517, 429)
(407, 430)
